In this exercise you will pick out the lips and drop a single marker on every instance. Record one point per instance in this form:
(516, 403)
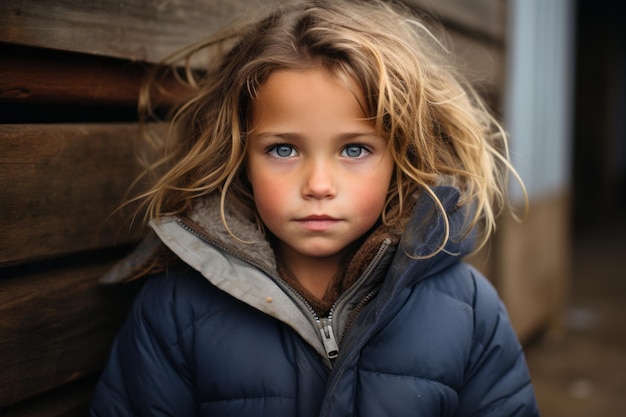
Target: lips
(318, 223)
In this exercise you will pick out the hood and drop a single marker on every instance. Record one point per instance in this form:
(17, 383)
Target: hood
(424, 234)
(414, 262)
(204, 220)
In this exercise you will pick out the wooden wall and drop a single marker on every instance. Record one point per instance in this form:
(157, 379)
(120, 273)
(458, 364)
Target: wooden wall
(69, 77)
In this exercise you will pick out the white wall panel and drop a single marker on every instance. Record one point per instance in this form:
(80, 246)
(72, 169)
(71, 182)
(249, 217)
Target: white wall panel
(539, 93)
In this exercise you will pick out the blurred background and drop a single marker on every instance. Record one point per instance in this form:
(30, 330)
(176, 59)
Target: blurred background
(578, 364)
(553, 70)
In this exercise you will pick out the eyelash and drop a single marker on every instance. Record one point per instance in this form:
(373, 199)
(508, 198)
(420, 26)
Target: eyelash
(272, 150)
(362, 147)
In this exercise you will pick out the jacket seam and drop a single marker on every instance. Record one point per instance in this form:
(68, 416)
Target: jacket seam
(191, 324)
(255, 398)
(501, 401)
(423, 378)
(118, 396)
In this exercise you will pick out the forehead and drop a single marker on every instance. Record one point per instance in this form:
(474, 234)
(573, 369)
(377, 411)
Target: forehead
(314, 92)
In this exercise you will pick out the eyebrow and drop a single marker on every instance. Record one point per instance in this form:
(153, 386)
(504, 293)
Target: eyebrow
(293, 136)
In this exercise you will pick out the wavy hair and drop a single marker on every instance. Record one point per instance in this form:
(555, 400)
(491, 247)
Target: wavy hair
(437, 128)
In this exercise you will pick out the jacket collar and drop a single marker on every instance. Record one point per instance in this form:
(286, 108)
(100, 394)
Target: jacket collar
(420, 239)
(413, 262)
(417, 257)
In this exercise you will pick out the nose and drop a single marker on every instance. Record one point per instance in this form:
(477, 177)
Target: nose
(318, 181)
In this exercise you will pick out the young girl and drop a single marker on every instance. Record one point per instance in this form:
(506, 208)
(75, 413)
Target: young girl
(324, 182)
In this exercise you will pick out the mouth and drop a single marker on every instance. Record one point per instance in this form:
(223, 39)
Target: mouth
(318, 223)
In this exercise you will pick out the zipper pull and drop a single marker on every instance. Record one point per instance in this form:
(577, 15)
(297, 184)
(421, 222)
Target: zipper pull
(328, 338)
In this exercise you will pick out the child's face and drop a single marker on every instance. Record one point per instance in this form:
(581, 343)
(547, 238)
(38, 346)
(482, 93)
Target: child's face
(319, 173)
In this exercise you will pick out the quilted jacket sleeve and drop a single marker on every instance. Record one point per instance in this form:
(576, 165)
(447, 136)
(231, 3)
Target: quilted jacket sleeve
(497, 380)
(146, 374)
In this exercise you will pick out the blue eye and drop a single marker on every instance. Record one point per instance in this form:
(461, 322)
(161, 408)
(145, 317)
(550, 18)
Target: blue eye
(282, 151)
(354, 151)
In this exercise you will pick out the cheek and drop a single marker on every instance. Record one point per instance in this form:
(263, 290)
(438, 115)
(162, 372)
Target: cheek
(369, 195)
(370, 202)
(268, 196)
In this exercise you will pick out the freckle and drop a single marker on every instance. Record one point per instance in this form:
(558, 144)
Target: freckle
(269, 299)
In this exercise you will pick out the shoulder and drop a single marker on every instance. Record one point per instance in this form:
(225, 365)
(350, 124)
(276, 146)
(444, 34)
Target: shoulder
(177, 298)
(469, 288)
(171, 286)
(466, 308)
(456, 307)
(178, 282)
(496, 374)
(447, 319)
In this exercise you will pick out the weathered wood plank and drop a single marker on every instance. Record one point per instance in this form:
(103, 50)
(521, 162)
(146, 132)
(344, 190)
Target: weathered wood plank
(148, 30)
(56, 327)
(60, 184)
(35, 75)
(71, 400)
(483, 61)
(484, 18)
(43, 76)
(134, 29)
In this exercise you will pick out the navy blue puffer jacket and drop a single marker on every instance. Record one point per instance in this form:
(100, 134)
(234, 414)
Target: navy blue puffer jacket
(206, 339)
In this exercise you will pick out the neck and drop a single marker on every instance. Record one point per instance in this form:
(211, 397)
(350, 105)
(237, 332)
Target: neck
(314, 273)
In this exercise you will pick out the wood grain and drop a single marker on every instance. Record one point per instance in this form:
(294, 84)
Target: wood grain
(484, 19)
(56, 327)
(59, 188)
(149, 30)
(70, 400)
(137, 30)
(44, 76)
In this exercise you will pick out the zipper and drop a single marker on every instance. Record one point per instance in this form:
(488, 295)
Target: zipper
(358, 310)
(338, 304)
(324, 325)
(328, 337)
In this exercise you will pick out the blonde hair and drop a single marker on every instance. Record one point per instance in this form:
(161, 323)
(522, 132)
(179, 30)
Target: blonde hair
(437, 128)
